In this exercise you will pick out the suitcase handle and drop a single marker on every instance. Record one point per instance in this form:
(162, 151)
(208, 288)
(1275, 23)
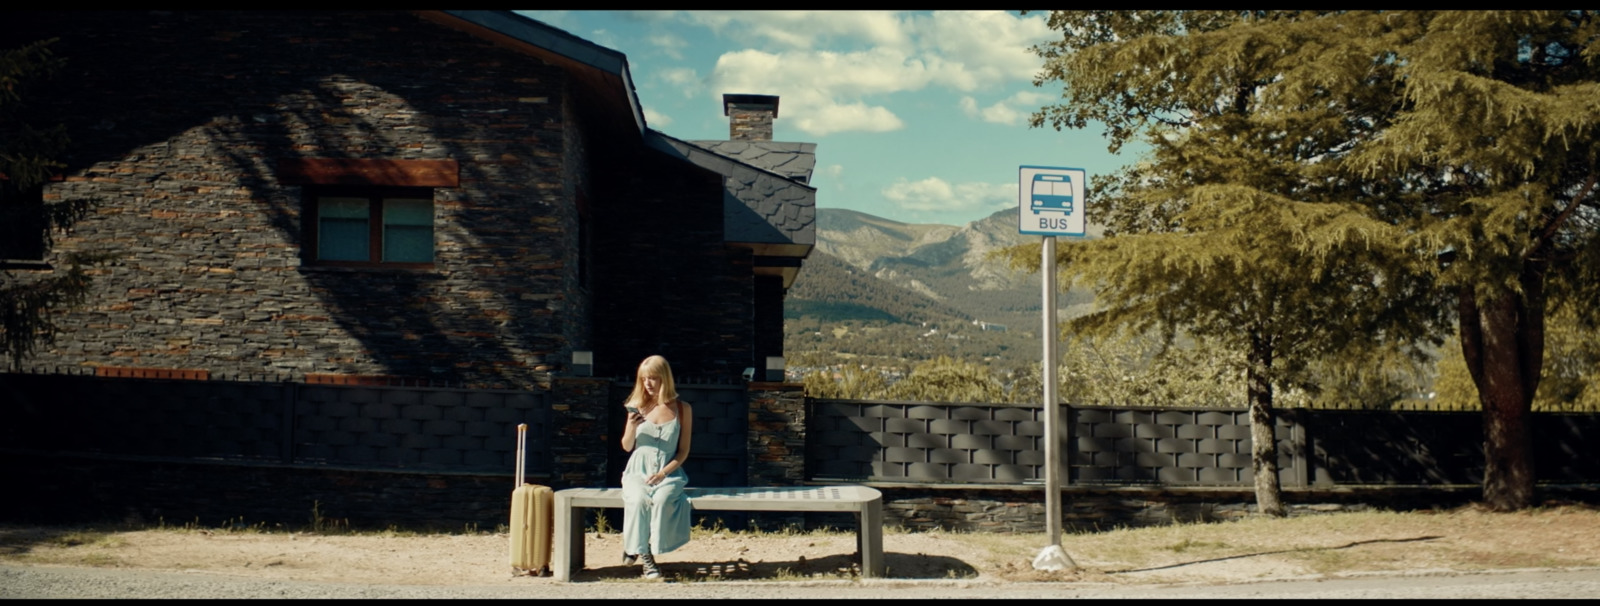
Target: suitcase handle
(522, 444)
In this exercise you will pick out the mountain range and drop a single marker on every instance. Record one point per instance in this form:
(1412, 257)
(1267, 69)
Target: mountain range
(871, 268)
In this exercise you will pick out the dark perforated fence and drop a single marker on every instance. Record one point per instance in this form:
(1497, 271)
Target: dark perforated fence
(935, 443)
(95, 448)
(399, 427)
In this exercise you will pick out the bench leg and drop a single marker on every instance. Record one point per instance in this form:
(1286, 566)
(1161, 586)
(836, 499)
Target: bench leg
(869, 539)
(568, 557)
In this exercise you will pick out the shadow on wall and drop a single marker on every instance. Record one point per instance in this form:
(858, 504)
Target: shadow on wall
(203, 104)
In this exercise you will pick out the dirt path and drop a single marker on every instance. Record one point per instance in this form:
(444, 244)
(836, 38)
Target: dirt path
(1320, 547)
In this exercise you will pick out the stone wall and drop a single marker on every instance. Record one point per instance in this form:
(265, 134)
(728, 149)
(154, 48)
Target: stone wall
(581, 441)
(777, 434)
(180, 120)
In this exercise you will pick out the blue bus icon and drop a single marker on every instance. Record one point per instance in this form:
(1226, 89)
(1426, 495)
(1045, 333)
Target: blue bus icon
(1052, 192)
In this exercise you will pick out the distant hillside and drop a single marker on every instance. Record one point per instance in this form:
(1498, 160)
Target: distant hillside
(944, 263)
(891, 294)
(831, 290)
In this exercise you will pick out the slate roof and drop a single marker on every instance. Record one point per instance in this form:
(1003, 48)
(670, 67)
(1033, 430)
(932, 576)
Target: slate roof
(765, 207)
(792, 160)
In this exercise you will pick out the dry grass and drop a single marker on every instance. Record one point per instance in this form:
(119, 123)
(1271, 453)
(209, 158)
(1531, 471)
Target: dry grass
(1309, 546)
(1464, 539)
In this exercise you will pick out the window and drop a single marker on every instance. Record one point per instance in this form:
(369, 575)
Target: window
(23, 227)
(367, 212)
(365, 226)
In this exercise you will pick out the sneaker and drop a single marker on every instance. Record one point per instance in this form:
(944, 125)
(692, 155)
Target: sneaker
(650, 570)
(628, 559)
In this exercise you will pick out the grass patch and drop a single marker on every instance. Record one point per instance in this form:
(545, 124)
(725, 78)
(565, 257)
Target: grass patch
(1188, 544)
(230, 526)
(90, 538)
(787, 574)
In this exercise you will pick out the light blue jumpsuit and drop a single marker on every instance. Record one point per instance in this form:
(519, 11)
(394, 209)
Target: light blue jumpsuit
(655, 519)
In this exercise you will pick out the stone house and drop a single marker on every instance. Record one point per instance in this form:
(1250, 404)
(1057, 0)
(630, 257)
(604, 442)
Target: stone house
(356, 249)
(471, 197)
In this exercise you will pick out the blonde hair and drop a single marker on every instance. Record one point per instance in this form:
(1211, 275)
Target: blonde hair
(653, 366)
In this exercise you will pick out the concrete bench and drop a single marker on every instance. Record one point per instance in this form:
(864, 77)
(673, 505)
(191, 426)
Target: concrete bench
(865, 502)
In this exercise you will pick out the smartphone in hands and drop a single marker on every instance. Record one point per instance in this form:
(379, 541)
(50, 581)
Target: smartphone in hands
(633, 410)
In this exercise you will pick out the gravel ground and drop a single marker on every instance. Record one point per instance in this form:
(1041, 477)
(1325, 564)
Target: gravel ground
(63, 582)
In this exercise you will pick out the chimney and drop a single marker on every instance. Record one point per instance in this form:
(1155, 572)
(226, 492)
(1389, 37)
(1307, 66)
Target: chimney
(750, 116)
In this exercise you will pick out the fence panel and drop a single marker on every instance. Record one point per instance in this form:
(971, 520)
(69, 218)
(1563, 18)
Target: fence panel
(858, 440)
(719, 449)
(1566, 447)
(880, 441)
(409, 427)
(1396, 447)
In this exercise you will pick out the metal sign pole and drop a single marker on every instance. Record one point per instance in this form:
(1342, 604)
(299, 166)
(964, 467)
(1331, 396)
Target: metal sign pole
(1050, 202)
(1052, 410)
(1052, 557)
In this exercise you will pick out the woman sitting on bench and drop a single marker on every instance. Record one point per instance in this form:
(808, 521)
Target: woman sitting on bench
(655, 512)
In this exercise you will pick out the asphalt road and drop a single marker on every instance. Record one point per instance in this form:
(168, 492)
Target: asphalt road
(59, 582)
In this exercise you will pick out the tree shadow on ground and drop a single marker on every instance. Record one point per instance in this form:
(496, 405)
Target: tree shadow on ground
(18, 541)
(1262, 553)
(900, 566)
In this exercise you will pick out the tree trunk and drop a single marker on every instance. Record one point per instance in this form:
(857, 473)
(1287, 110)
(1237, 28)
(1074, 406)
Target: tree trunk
(1502, 340)
(1263, 442)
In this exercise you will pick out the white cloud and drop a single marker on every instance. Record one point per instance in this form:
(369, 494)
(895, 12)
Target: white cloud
(684, 78)
(990, 46)
(669, 44)
(1013, 110)
(935, 194)
(848, 117)
(656, 119)
(875, 56)
(820, 92)
(804, 29)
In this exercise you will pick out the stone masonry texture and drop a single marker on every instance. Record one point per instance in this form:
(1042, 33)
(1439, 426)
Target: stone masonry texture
(552, 242)
(189, 116)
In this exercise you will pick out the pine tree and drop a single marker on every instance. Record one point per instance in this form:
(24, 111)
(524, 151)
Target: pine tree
(29, 158)
(1236, 229)
(1492, 149)
(1441, 166)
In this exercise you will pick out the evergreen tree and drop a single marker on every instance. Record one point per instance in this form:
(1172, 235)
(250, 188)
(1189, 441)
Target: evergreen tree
(29, 157)
(1237, 229)
(1439, 165)
(1491, 149)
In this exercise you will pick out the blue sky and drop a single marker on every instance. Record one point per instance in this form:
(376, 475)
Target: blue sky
(918, 116)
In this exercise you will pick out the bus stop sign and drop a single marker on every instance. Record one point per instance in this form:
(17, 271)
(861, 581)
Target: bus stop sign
(1050, 200)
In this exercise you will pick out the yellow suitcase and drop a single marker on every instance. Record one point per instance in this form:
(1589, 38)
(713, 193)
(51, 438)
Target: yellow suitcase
(532, 519)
